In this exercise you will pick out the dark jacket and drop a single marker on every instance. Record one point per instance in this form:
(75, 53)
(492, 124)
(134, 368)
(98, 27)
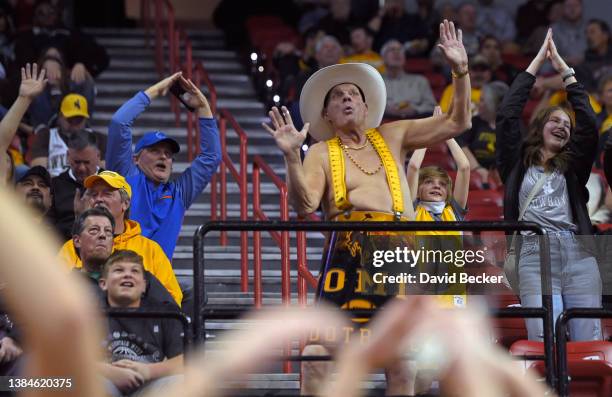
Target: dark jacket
(63, 188)
(510, 149)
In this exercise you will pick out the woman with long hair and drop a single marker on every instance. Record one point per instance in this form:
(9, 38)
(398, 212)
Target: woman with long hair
(545, 172)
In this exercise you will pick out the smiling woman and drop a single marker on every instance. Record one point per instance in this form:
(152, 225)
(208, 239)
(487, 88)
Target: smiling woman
(545, 176)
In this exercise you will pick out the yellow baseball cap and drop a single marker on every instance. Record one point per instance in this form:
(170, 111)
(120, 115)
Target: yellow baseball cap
(74, 105)
(112, 179)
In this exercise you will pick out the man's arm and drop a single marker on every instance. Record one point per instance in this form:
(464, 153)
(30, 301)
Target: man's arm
(32, 84)
(119, 154)
(195, 178)
(306, 182)
(426, 132)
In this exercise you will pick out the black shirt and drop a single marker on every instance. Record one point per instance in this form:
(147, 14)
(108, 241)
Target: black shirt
(480, 139)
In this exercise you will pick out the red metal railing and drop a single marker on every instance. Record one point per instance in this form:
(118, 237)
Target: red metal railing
(167, 31)
(259, 165)
(240, 177)
(174, 37)
(282, 238)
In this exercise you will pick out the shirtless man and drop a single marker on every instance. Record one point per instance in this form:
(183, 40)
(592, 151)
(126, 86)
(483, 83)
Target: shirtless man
(343, 106)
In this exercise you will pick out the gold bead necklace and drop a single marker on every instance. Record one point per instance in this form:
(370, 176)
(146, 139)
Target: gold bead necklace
(345, 148)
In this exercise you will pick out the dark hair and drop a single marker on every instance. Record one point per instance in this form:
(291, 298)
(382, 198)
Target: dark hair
(603, 25)
(122, 256)
(486, 38)
(82, 139)
(534, 141)
(326, 99)
(605, 79)
(79, 223)
(366, 29)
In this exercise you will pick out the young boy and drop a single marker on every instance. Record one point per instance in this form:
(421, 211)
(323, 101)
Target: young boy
(143, 352)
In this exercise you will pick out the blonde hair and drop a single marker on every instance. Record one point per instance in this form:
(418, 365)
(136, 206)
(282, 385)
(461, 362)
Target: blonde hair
(433, 171)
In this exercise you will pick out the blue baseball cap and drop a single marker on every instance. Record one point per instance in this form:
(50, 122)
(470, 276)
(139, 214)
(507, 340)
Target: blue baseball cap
(154, 137)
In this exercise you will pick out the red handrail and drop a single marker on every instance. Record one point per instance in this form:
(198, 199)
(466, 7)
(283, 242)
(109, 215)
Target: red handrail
(240, 177)
(259, 165)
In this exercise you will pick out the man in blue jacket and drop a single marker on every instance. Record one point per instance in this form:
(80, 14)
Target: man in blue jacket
(159, 204)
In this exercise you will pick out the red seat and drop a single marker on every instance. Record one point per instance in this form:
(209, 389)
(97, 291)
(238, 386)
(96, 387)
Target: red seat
(438, 159)
(484, 213)
(256, 22)
(476, 181)
(418, 65)
(485, 197)
(589, 365)
(517, 60)
(606, 329)
(507, 330)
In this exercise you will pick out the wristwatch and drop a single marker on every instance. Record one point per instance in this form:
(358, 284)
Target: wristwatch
(567, 73)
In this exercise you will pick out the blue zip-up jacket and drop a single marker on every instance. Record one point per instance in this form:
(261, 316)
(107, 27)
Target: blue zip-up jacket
(160, 209)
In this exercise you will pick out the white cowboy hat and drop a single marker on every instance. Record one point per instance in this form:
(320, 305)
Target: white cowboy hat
(318, 85)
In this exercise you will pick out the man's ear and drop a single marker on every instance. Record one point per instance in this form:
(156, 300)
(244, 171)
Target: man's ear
(102, 284)
(135, 157)
(324, 115)
(76, 240)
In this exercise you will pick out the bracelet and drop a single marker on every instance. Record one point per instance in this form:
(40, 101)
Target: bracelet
(460, 74)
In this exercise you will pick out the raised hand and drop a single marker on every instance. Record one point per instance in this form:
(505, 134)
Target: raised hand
(451, 45)
(195, 98)
(542, 54)
(287, 137)
(32, 82)
(161, 87)
(554, 57)
(79, 73)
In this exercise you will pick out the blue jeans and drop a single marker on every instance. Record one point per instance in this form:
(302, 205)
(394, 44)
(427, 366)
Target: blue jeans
(575, 283)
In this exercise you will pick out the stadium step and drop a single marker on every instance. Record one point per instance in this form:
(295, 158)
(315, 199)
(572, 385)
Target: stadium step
(132, 69)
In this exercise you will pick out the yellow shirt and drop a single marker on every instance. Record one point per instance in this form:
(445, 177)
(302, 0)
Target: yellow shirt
(155, 260)
(370, 57)
(560, 97)
(447, 98)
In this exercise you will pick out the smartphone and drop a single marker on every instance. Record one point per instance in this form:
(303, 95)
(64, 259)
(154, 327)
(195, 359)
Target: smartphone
(179, 92)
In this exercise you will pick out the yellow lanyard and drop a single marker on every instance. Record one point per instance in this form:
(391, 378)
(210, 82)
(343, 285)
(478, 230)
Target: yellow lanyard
(336, 161)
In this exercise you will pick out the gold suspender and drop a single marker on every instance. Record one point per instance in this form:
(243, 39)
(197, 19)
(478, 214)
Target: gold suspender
(336, 163)
(390, 170)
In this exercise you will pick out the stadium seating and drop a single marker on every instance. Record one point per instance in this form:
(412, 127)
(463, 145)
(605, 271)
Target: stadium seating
(589, 365)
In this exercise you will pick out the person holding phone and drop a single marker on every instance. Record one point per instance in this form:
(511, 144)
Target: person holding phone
(159, 203)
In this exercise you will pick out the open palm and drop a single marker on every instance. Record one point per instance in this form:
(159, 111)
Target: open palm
(32, 82)
(287, 137)
(451, 45)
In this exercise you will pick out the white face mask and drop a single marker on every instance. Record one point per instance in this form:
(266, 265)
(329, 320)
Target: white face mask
(435, 207)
